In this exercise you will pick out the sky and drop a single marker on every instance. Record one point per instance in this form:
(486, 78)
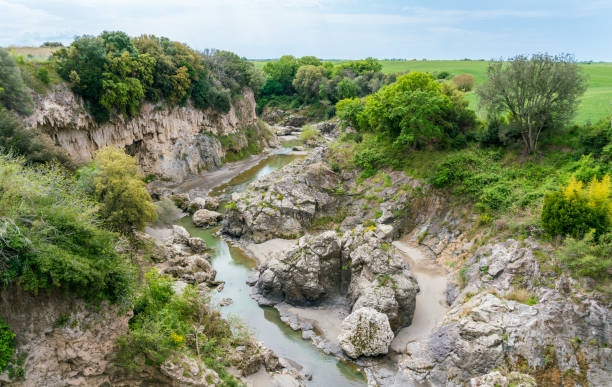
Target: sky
(330, 29)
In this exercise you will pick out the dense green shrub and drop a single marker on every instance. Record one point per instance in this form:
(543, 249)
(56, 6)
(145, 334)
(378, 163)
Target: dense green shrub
(319, 82)
(43, 74)
(14, 94)
(414, 111)
(125, 203)
(349, 111)
(368, 159)
(588, 257)
(7, 345)
(359, 67)
(464, 82)
(595, 137)
(26, 142)
(307, 80)
(166, 323)
(281, 73)
(346, 89)
(577, 210)
(50, 236)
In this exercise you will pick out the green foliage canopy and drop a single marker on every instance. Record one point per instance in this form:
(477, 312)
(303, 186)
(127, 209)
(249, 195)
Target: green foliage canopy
(307, 81)
(125, 202)
(413, 111)
(541, 93)
(116, 73)
(7, 345)
(50, 236)
(14, 94)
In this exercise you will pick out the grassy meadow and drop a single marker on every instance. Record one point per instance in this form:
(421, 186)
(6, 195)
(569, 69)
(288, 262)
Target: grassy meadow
(35, 54)
(596, 102)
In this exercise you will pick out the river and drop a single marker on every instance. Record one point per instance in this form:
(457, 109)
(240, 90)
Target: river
(233, 267)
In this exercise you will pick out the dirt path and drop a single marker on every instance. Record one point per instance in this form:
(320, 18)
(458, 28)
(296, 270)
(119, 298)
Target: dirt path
(430, 302)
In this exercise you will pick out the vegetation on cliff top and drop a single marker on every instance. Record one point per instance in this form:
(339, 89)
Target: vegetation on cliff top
(116, 73)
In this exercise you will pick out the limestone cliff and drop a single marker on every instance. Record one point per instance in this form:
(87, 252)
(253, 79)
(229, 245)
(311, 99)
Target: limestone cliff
(169, 142)
(64, 341)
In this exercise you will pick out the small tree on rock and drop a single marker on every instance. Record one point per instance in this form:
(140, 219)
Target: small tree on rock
(541, 93)
(125, 203)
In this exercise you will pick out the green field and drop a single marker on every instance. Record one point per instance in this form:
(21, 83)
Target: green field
(595, 105)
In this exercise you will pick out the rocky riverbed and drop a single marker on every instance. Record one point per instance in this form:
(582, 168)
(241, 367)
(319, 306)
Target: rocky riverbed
(356, 266)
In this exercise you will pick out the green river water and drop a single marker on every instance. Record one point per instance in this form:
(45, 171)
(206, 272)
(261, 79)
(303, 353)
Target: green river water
(233, 266)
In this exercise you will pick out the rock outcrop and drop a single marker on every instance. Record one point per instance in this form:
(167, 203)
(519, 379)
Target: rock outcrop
(361, 266)
(284, 203)
(553, 332)
(65, 341)
(365, 332)
(169, 142)
(498, 379)
(186, 259)
(206, 218)
(188, 371)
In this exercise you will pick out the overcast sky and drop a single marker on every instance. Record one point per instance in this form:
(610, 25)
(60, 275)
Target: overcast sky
(330, 28)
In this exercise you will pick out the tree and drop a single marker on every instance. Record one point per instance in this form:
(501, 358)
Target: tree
(416, 110)
(309, 60)
(541, 93)
(308, 79)
(83, 63)
(346, 89)
(117, 42)
(359, 67)
(282, 71)
(464, 82)
(349, 111)
(121, 90)
(13, 91)
(578, 210)
(125, 202)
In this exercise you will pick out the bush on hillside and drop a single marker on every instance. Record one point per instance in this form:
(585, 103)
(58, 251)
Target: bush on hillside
(414, 111)
(7, 345)
(349, 112)
(50, 236)
(166, 323)
(27, 142)
(578, 210)
(14, 94)
(464, 82)
(596, 137)
(125, 203)
(42, 74)
(587, 256)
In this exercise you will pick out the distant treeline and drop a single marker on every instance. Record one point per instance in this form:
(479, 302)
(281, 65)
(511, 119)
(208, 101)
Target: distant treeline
(291, 82)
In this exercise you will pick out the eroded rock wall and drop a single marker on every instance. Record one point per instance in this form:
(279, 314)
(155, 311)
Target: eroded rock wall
(64, 340)
(170, 142)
